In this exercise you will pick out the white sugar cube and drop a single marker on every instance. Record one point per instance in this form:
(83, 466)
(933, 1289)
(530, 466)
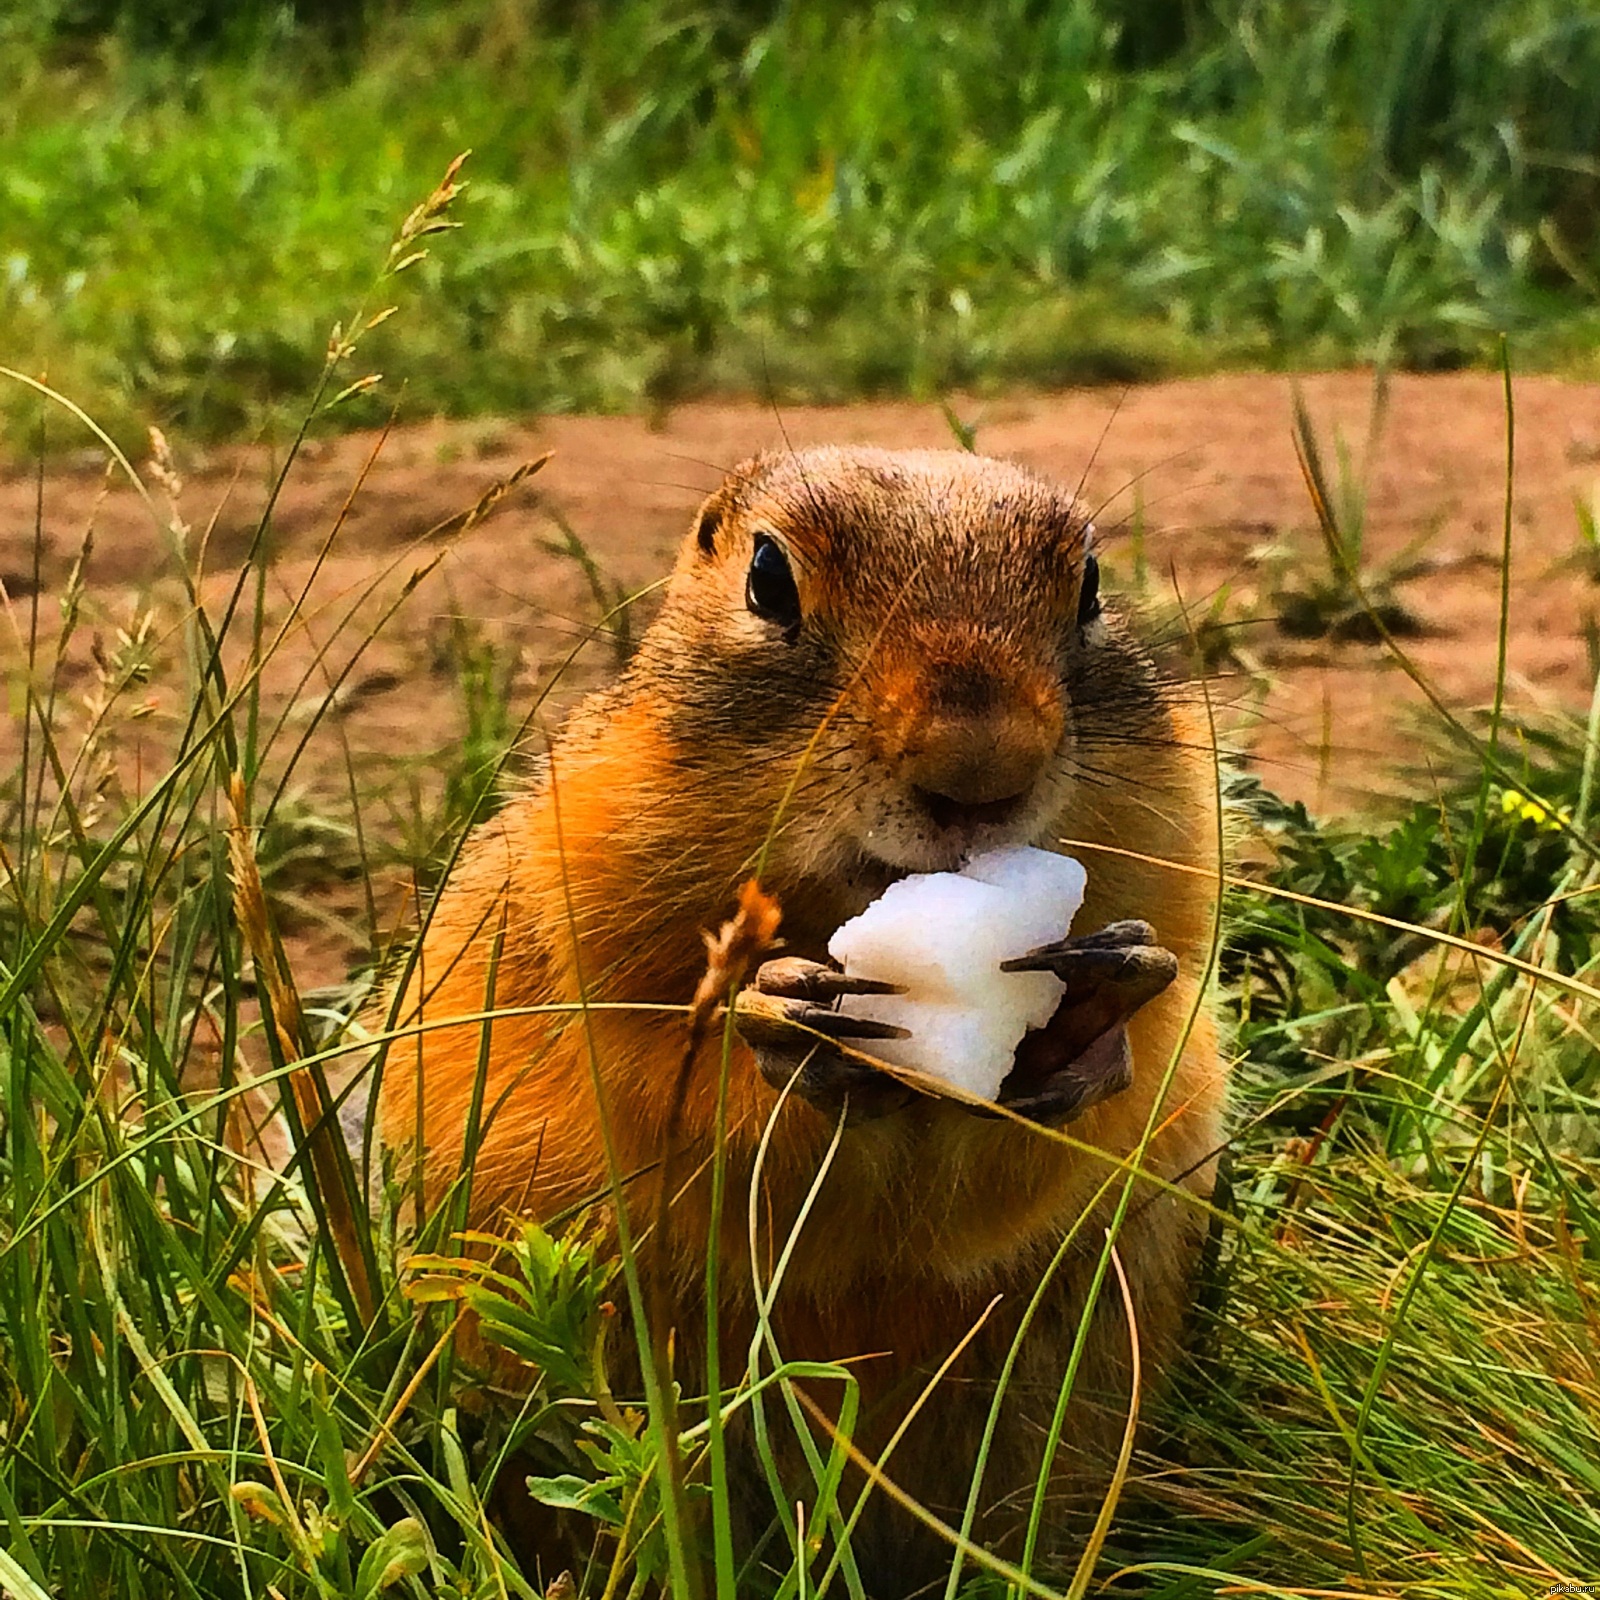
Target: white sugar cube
(943, 936)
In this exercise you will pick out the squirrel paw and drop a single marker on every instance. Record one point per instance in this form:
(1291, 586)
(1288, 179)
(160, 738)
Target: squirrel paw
(1081, 1056)
(787, 1018)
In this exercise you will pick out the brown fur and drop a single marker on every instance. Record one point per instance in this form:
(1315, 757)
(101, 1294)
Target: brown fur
(940, 593)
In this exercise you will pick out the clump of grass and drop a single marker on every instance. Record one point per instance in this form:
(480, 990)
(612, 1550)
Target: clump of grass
(1587, 551)
(1342, 597)
(199, 1346)
(1397, 1392)
(1396, 1379)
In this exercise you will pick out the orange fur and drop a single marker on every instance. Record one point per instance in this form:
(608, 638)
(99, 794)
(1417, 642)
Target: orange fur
(594, 888)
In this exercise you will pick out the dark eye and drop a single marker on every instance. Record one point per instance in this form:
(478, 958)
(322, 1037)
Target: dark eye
(1089, 592)
(769, 591)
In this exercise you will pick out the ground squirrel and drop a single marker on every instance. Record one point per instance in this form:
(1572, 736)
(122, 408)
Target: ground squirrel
(938, 617)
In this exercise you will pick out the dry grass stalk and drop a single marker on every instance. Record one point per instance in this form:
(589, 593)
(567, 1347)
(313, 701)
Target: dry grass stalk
(747, 934)
(486, 503)
(730, 951)
(316, 1115)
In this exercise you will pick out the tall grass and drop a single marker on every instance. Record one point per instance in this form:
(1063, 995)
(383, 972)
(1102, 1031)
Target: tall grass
(229, 1375)
(820, 200)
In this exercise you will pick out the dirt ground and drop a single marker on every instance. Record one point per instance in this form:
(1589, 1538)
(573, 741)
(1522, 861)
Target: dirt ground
(1196, 486)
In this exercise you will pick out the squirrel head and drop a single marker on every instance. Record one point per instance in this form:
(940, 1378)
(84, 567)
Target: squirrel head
(906, 651)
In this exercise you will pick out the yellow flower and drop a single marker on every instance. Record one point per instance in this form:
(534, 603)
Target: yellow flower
(1514, 803)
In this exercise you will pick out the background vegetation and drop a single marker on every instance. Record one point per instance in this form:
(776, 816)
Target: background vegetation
(816, 199)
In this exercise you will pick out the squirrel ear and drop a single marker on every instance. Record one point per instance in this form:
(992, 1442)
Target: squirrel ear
(706, 527)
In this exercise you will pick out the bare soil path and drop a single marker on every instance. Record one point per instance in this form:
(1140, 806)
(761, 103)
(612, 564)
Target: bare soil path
(1197, 487)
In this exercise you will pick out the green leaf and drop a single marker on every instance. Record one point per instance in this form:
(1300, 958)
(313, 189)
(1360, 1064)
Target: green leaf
(330, 1447)
(399, 1552)
(568, 1492)
(16, 1583)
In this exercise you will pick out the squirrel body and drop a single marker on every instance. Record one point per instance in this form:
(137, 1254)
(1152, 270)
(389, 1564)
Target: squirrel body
(921, 670)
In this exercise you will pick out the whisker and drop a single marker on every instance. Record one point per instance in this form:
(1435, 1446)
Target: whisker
(1094, 454)
(1146, 472)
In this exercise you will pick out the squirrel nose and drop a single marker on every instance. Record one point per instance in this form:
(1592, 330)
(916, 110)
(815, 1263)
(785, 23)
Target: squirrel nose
(985, 736)
(968, 730)
(979, 761)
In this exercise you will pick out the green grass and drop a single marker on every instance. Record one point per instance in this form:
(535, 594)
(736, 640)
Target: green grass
(815, 200)
(1396, 1379)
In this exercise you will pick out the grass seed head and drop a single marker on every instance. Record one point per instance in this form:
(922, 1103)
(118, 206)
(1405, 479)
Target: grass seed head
(740, 940)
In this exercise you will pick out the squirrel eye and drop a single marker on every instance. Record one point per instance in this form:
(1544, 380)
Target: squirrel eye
(770, 590)
(1089, 592)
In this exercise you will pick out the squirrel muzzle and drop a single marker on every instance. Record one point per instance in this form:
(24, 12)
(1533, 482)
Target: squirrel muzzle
(969, 732)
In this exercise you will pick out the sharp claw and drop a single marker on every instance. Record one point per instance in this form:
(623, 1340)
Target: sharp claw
(1081, 1056)
(1043, 958)
(842, 984)
(1126, 935)
(1118, 964)
(807, 1049)
(839, 1026)
(798, 979)
(773, 1020)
